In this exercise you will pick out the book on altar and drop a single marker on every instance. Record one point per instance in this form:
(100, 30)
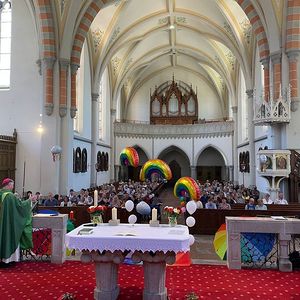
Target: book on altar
(278, 218)
(85, 231)
(125, 234)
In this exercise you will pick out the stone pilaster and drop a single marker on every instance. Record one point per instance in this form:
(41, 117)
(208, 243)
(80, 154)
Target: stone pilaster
(112, 142)
(252, 177)
(95, 138)
(293, 79)
(234, 144)
(194, 172)
(63, 86)
(48, 64)
(266, 64)
(276, 63)
(73, 109)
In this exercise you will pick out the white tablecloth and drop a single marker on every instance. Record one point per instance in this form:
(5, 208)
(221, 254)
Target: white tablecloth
(145, 238)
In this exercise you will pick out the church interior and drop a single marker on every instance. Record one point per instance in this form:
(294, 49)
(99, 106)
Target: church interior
(206, 91)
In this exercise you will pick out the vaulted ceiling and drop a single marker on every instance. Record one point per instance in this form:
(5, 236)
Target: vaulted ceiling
(210, 38)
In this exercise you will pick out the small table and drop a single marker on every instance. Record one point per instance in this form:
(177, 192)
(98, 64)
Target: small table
(107, 246)
(284, 227)
(58, 226)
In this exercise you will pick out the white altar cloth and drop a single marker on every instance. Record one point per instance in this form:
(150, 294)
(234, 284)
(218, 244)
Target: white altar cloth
(137, 237)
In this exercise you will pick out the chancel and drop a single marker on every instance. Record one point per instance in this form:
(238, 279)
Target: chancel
(139, 139)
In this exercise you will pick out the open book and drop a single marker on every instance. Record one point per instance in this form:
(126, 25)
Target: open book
(278, 218)
(125, 234)
(85, 231)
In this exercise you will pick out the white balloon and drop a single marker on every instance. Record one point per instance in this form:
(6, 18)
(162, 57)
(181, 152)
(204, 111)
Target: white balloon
(192, 240)
(132, 219)
(190, 221)
(199, 204)
(129, 205)
(191, 207)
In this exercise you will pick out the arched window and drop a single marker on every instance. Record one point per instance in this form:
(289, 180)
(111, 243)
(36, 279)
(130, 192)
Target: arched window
(84, 161)
(5, 43)
(106, 161)
(98, 167)
(78, 160)
(102, 168)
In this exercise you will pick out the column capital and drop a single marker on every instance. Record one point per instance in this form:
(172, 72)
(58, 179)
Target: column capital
(64, 63)
(265, 62)
(249, 93)
(293, 55)
(95, 97)
(74, 68)
(276, 57)
(234, 109)
(48, 62)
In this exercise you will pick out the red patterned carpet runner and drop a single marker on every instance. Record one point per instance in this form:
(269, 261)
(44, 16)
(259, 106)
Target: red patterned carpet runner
(43, 280)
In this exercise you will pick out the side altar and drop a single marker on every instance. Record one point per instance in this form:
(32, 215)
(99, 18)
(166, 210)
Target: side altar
(58, 226)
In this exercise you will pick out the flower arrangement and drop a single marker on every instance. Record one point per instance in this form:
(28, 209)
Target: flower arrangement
(96, 213)
(172, 213)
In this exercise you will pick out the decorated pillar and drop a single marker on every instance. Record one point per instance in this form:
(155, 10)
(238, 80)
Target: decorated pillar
(266, 65)
(276, 63)
(234, 145)
(48, 64)
(112, 143)
(94, 121)
(252, 178)
(73, 109)
(293, 78)
(63, 85)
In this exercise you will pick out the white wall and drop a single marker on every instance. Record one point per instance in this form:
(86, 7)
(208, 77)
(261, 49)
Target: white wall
(208, 103)
(21, 105)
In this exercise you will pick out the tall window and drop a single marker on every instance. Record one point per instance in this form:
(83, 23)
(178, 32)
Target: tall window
(100, 112)
(5, 43)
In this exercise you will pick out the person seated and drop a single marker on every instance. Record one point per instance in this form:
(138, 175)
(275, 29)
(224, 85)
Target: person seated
(210, 204)
(280, 199)
(267, 199)
(260, 205)
(224, 204)
(51, 201)
(66, 202)
(73, 197)
(88, 200)
(250, 205)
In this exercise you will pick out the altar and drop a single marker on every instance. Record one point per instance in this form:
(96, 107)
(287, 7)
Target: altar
(284, 227)
(107, 246)
(58, 226)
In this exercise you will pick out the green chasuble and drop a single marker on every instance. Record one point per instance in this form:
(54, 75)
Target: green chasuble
(15, 224)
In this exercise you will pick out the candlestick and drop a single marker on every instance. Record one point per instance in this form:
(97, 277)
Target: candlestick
(95, 197)
(154, 214)
(114, 214)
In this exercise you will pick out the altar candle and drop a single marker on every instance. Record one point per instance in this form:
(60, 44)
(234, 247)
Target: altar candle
(114, 214)
(95, 197)
(71, 215)
(154, 214)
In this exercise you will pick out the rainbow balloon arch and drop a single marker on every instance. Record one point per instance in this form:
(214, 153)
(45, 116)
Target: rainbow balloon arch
(187, 186)
(129, 157)
(156, 167)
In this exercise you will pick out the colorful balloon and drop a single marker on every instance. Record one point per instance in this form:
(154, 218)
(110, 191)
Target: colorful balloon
(129, 157)
(155, 166)
(187, 185)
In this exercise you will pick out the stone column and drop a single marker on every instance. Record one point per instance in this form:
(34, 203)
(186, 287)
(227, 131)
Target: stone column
(293, 79)
(285, 264)
(48, 64)
(95, 137)
(106, 269)
(235, 156)
(276, 62)
(112, 143)
(117, 172)
(73, 109)
(252, 177)
(63, 86)
(154, 265)
(266, 64)
(194, 172)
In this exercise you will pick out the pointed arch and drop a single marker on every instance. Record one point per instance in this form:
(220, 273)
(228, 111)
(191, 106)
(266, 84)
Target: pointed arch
(215, 148)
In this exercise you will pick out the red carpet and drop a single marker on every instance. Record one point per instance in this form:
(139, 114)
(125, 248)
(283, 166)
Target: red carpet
(48, 281)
